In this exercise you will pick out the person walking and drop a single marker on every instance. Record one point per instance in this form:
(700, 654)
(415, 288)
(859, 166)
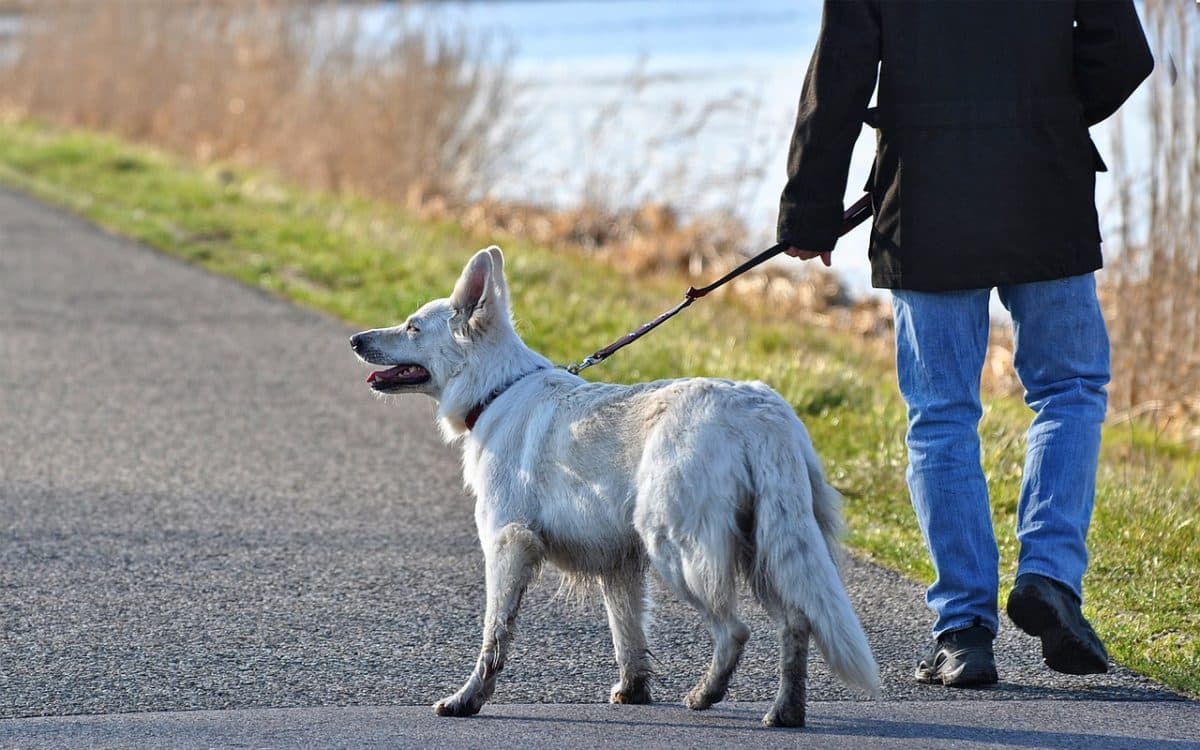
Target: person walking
(984, 177)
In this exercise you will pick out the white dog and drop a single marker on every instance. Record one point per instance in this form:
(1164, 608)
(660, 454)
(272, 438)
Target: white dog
(705, 480)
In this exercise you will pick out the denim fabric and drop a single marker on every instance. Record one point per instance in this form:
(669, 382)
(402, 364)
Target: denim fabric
(1062, 358)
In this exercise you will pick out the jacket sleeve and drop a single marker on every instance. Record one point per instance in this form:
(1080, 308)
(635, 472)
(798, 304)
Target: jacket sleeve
(1112, 56)
(833, 103)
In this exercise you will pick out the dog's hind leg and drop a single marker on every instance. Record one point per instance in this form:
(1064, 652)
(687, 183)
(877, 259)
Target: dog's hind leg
(794, 636)
(729, 636)
(711, 589)
(512, 559)
(625, 600)
(788, 709)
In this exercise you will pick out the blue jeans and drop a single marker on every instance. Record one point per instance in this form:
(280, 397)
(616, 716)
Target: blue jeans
(1061, 355)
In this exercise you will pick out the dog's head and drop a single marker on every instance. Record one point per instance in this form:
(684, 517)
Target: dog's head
(425, 352)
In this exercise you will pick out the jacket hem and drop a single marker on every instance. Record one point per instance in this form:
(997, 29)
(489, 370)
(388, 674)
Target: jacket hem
(981, 280)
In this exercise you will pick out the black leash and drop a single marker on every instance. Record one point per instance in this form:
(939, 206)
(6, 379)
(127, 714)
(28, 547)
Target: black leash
(853, 216)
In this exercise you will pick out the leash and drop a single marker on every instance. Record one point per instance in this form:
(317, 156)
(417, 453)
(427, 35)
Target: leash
(853, 216)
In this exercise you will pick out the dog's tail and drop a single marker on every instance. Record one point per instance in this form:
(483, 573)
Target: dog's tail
(798, 551)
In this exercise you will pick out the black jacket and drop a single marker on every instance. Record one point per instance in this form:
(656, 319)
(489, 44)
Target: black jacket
(984, 173)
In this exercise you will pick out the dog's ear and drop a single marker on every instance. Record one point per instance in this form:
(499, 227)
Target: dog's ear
(497, 260)
(499, 283)
(473, 285)
(474, 292)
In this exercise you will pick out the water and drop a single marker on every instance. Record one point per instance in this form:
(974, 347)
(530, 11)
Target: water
(691, 103)
(688, 102)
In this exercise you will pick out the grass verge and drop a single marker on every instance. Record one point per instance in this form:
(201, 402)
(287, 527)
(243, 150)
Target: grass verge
(369, 264)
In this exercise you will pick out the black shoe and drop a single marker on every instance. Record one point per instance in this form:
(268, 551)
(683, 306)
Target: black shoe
(960, 658)
(1048, 609)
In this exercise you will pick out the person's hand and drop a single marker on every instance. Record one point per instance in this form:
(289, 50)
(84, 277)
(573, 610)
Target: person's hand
(796, 252)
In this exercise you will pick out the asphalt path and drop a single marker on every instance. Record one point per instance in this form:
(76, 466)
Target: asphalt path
(205, 510)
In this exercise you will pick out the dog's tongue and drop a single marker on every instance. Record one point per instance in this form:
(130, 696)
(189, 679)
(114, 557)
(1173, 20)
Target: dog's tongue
(385, 374)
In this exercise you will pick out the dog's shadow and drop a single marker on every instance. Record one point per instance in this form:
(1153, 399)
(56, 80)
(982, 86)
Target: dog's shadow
(729, 723)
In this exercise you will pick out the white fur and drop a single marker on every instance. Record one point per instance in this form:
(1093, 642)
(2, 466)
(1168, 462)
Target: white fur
(704, 480)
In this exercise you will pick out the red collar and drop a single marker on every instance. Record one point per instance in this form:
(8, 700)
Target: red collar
(477, 410)
(473, 415)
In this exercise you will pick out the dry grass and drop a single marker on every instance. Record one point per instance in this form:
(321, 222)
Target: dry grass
(288, 86)
(421, 121)
(651, 240)
(1153, 290)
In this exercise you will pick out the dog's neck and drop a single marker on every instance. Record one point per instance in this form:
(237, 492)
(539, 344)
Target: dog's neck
(477, 410)
(494, 369)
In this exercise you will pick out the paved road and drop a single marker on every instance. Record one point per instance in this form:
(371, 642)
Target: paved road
(205, 508)
(845, 725)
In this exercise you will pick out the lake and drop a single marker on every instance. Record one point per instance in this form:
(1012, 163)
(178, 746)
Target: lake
(691, 103)
(687, 102)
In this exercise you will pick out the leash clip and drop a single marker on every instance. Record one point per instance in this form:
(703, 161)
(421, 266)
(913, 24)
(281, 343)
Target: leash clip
(578, 367)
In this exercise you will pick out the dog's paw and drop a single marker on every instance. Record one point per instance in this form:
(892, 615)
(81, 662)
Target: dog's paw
(784, 717)
(457, 705)
(635, 693)
(701, 697)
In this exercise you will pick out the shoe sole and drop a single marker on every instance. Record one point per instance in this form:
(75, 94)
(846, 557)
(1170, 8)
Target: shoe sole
(1062, 650)
(961, 677)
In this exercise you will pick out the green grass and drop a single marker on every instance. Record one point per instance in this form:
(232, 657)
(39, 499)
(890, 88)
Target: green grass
(370, 264)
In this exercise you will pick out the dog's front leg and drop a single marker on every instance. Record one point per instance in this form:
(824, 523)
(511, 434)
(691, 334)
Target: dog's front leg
(511, 559)
(625, 599)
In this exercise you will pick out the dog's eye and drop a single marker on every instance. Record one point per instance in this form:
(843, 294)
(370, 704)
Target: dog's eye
(412, 328)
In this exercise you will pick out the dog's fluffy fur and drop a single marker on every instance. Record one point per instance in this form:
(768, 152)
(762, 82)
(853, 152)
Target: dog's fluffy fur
(703, 480)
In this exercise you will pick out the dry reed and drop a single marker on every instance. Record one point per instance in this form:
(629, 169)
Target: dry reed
(424, 120)
(1152, 288)
(284, 85)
